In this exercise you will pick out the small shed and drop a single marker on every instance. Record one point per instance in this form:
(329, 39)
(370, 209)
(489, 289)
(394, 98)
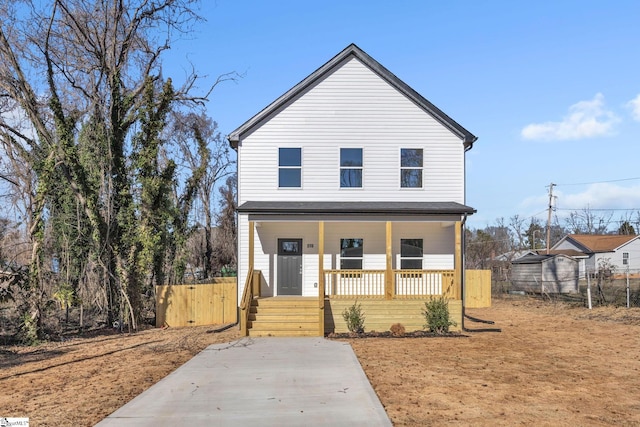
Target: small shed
(556, 274)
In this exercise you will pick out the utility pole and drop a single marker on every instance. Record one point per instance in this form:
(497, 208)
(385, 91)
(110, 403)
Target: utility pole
(549, 216)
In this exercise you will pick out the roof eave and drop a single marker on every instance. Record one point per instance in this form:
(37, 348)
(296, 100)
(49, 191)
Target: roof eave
(355, 208)
(352, 50)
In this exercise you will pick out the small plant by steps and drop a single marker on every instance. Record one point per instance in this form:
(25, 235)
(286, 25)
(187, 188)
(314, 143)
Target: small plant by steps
(354, 316)
(436, 313)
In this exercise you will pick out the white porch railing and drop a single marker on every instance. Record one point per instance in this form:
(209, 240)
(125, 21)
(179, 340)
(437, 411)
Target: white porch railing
(371, 283)
(423, 282)
(364, 283)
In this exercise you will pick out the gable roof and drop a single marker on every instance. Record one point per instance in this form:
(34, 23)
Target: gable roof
(568, 252)
(354, 51)
(536, 259)
(600, 242)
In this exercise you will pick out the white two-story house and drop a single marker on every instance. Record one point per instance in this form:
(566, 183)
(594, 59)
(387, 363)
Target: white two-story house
(620, 253)
(351, 187)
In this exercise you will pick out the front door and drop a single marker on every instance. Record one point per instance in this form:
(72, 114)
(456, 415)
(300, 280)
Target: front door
(289, 266)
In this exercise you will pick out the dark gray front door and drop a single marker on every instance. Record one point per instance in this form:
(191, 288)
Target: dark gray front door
(289, 266)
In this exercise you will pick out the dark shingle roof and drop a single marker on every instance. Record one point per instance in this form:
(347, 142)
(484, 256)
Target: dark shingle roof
(366, 208)
(353, 50)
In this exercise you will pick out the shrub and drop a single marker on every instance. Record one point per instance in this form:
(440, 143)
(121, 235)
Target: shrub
(354, 316)
(397, 330)
(28, 333)
(436, 313)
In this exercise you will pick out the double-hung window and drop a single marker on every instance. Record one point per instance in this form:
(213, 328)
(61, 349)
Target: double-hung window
(411, 162)
(625, 258)
(290, 167)
(351, 168)
(351, 253)
(411, 251)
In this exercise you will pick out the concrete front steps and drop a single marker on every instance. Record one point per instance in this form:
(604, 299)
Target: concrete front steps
(284, 317)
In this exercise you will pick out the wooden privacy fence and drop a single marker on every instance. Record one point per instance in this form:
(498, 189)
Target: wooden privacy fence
(197, 304)
(477, 289)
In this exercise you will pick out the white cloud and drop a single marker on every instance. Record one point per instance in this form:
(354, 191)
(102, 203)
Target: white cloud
(603, 196)
(586, 119)
(595, 196)
(634, 105)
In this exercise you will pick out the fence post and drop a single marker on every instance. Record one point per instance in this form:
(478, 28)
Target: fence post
(628, 290)
(586, 271)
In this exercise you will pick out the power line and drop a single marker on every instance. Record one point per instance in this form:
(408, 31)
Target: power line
(599, 182)
(599, 209)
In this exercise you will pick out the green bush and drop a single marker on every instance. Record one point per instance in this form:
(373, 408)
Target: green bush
(28, 330)
(436, 313)
(354, 316)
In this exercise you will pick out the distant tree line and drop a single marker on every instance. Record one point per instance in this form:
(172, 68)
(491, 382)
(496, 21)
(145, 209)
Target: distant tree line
(509, 237)
(103, 159)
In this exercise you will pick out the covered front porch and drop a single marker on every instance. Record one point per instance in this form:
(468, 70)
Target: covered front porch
(354, 256)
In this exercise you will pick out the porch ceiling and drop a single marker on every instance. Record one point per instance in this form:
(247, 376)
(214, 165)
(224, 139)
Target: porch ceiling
(356, 208)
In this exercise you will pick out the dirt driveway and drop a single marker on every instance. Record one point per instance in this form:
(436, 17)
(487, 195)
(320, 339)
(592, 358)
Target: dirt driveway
(551, 366)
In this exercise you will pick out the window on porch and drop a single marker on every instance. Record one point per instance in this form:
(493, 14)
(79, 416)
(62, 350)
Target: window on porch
(351, 253)
(411, 251)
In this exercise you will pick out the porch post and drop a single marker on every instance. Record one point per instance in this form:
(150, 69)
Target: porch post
(457, 274)
(256, 292)
(388, 277)
(321, 278)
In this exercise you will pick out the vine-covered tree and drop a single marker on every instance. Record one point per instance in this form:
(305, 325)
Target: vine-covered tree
(84, 106)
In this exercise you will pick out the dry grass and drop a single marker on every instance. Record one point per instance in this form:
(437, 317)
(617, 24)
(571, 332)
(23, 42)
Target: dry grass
(552, 365)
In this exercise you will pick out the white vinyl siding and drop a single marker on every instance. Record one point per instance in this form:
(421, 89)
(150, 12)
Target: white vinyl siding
(351, 108)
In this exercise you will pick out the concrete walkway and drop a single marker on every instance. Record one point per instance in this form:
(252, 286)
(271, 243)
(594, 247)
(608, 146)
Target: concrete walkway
(260, 382)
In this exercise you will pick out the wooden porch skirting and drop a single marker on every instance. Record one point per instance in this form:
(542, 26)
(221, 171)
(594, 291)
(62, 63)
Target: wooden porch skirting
(381, 314)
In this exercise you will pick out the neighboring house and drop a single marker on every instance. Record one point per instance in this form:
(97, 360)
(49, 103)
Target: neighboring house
(351, 187)
(556, 274)
(620, 251)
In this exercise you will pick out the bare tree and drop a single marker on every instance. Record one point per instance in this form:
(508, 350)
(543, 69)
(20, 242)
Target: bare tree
(587, 221)
(517, 227)
(186, 128)
(225, 248)
(80, 71)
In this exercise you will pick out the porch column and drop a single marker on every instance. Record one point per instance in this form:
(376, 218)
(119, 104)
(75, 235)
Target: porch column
(321, 278)
(388, 276)
(457, 274)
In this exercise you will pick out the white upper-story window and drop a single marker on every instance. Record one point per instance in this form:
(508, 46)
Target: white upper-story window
(625, 258)
(289, 167)
(351, 168)
(411, 164)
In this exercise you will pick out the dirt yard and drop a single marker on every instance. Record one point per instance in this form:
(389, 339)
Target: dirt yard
(551, 366)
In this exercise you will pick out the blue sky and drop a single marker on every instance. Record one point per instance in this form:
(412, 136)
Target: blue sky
(551, 88)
